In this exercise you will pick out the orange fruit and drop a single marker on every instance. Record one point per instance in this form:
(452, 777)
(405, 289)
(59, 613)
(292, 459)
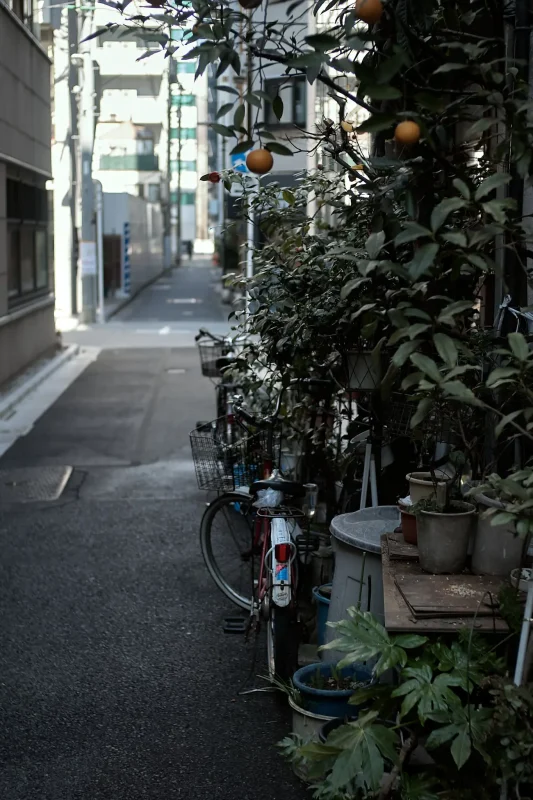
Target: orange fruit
(369, 11)
(346, 126)
(259, 161)
(407, 132)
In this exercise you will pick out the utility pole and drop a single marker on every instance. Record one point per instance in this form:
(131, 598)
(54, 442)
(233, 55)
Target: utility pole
(178, 218)
(167, 241)
(87, 263)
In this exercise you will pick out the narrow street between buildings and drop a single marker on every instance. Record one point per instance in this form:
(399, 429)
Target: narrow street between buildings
(117, 681)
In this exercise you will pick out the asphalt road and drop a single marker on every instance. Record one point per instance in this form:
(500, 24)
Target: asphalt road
(116, 680)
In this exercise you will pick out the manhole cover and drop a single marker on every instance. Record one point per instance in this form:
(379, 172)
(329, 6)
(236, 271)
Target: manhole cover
(30, 484)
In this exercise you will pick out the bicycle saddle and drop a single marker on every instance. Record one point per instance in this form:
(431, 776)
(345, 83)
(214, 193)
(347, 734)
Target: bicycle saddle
(292, 488)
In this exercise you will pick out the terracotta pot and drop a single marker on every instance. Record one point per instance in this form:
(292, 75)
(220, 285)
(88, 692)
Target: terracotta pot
(409, 529)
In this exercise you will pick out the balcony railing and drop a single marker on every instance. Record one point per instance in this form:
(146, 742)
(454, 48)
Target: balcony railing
(138, 163)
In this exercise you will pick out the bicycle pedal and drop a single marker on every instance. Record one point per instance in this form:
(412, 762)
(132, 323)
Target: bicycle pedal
(235, 625)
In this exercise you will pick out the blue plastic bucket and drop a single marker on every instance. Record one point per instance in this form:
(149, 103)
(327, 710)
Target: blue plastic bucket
(323, 599)
(330, 702)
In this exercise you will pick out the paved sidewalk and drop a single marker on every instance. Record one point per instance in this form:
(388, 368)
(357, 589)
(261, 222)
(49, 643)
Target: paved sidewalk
(117, 682)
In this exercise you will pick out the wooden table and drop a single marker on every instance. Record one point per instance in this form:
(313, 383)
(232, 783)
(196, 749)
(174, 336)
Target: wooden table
(400, 618)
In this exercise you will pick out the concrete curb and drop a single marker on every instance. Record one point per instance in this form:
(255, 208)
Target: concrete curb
(9, 402)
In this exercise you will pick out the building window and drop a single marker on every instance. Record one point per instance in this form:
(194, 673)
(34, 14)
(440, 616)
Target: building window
(186, 166)
(145, 146)
(293, 93)
(27, 231)
(153, 192)
(187, 198)
(186, 133)
(186, 67)
(183, 100)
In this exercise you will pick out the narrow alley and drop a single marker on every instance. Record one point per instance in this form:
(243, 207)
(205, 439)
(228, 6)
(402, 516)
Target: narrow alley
(117, 681)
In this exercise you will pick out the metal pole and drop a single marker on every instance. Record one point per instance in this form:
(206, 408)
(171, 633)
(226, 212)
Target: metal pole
(178, 219)
(524, 637)
(87, 247)
(250, 227)
(100, 248)
(167, 237)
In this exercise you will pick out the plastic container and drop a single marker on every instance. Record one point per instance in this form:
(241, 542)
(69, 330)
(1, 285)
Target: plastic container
(329, 702)
(443, 539)
(497, 548)
(322, 595)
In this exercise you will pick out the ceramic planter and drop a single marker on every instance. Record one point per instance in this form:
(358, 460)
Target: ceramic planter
(421, 487)
(307, 725)
(497, 548)
(329, 702)
(443, 539)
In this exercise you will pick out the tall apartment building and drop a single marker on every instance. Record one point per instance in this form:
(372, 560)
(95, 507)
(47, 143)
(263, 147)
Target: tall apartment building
(27, 328)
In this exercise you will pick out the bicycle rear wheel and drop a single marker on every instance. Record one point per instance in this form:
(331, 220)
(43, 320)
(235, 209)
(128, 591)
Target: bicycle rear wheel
(226, 539)
(282, 643)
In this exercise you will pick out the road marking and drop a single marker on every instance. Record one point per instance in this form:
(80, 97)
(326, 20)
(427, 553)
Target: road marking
(184, 300)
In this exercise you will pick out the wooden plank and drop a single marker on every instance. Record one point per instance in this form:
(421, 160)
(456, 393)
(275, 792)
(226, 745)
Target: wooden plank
(447, 595)
(399, 618)
(399, 549)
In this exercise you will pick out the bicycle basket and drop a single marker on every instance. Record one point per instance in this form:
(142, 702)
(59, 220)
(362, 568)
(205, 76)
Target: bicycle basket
(221, 466)
(210, 352)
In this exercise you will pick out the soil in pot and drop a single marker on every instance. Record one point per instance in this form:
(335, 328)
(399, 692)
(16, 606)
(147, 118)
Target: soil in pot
(326, 690)
(443, 538)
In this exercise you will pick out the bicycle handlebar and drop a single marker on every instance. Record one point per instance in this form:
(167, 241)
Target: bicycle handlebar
(203, 334)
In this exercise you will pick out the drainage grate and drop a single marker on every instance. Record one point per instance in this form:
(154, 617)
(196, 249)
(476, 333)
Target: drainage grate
(31, 484)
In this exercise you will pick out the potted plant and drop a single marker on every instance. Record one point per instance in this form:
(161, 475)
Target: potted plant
(423, 485)
(326, 689)
(408, 523)
(444, 533)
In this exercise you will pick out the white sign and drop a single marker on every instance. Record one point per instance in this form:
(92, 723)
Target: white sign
(88, 258)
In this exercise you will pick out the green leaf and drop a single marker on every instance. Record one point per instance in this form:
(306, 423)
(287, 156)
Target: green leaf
(447, 314)
(419, 689)
(238, 118)
(446, 349)
(252, 99)
(500, 375)
(279, 149)
(455, 237)
(351, 286)
(506, 421)
(228, 89)
(223, 130)
(374, 244)
(496, 209)
(441, 211)
(322, 41)
(411, 231)
(422, 410)
(363, 638)
(242, 147)
(491, 183)
(462, 188)
(377, 123)
(440, 736)
(503, 518)
(277, 107)
(288, 197)
(223, 110)
(461, 392)
(461, 748)
(422, 260)
(377, 92)
(450, 67)
(410, 641)
(433, 102)
(480, 126)
(427, 366)
(403, 352)
(519, 346)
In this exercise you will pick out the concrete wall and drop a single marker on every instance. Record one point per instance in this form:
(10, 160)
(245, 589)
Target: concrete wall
(146, 234)
(27, 331)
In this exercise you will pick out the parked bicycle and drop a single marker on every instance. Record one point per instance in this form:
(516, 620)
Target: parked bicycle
(217, 355)
(255, 535)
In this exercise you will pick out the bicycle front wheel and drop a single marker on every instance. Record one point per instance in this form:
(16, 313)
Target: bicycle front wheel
(227, 542)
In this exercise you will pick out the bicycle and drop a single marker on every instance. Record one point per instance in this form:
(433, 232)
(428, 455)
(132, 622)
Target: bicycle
(251, 539)
(217, 354)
